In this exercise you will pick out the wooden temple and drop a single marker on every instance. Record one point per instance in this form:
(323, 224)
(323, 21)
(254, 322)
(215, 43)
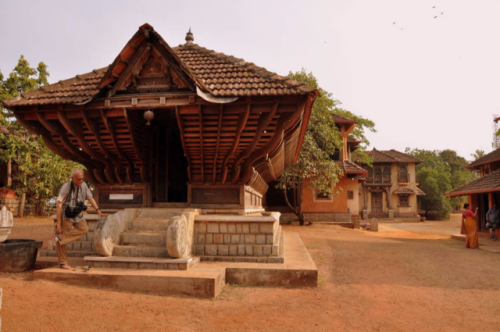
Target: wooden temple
(167, 125)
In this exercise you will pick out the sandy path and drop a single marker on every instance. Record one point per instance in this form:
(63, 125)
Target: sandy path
(409, 279)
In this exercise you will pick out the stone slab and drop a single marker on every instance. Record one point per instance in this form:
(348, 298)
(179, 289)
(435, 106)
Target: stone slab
(138, 259)
(275, 216)
(203, 280)
(298, 270)
(198, 282)
(231, 211)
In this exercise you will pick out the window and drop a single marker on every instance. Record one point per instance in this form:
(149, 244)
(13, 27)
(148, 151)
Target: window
(387, 174)
(350, 194)
(404, 200)
(377, 174)
(403, 173)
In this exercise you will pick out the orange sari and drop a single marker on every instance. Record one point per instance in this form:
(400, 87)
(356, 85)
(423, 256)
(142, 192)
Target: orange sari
(471, 237)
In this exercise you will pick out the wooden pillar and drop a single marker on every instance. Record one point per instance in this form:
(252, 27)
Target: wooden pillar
(491, 200)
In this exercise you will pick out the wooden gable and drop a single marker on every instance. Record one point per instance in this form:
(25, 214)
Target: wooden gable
(147, 64)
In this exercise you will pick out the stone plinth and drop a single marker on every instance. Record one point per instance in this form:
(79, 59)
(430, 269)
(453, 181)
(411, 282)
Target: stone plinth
(6, 223)
(237, 236)
(374, 225)
(83, 246)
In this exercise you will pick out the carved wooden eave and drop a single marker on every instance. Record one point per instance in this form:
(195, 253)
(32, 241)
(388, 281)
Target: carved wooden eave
(96, 119)
(147, 58)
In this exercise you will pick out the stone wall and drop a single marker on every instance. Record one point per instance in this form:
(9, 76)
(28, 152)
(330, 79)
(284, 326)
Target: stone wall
(237, 235)
(84, 246)
(288, 218)
(405, 215)
(12, 204)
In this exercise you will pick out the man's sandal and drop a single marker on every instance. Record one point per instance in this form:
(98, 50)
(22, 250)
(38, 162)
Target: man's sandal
(65, 266)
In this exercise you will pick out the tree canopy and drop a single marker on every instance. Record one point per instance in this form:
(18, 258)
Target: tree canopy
(440, 172)
(322, 139)
(478, 154)
(37, 170)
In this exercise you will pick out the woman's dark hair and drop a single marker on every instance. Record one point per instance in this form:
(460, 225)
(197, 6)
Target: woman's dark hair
(466, 205)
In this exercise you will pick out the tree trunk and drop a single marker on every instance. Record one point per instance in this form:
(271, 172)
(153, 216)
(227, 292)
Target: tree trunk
(40, 208)
(21, 206)
(298, 202)
(9, 172)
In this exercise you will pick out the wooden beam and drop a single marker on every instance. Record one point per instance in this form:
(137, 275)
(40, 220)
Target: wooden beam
(76, 129)
(95, 131)
(201, 145)
(263, 123)
(172, 63)
(214, 170)
(305, 119)
(139, 153)
(128, 69)
(286, 121)
(111, 129)
(54, 129)
(183, 141)
(242, 121)
(37, 129)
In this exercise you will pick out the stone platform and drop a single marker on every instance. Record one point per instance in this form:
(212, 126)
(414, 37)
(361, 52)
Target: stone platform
(205, 279)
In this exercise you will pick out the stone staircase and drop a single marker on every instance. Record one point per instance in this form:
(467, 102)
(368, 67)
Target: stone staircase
(143, 245)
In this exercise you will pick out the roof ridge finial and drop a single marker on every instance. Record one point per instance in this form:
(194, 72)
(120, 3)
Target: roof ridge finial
(189, 38)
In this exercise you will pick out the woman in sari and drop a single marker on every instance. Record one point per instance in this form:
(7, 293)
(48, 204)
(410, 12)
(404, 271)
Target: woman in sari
(469, 219)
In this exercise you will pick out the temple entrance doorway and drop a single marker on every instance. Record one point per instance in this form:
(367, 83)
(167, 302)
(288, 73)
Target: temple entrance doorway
(168, 164)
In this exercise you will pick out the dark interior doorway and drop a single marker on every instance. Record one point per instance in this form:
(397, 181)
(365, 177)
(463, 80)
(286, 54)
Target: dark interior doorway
(168, 164)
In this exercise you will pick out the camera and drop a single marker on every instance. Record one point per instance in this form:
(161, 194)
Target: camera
(82, 206)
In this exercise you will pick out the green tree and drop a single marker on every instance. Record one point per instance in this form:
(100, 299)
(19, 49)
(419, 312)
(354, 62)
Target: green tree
(459, 175)
(434, 180)
(38, 171)
(440, 172)
(478, 154)
(315, 164)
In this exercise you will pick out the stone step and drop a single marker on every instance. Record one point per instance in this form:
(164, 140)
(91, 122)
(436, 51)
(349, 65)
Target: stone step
(149, 263)
(140, 251)
(158, 213)
(150, 224)
(144, 238)
(206, 281)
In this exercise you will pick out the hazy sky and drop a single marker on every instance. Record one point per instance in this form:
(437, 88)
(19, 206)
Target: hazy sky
(429, 83)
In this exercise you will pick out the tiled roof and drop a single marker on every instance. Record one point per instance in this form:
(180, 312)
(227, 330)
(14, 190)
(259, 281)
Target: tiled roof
(405, 190)
(351, 139)
(225, 75)
(488, 183)
(419, 191)
(391, 156)
(342, 119)
(219, 74)
(351, 168)
(75, 90)
(490, 157)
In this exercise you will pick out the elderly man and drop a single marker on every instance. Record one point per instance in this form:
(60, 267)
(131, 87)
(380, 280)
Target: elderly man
(68, 228)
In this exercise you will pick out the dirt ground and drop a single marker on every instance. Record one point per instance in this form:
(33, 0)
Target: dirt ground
(406, 277)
